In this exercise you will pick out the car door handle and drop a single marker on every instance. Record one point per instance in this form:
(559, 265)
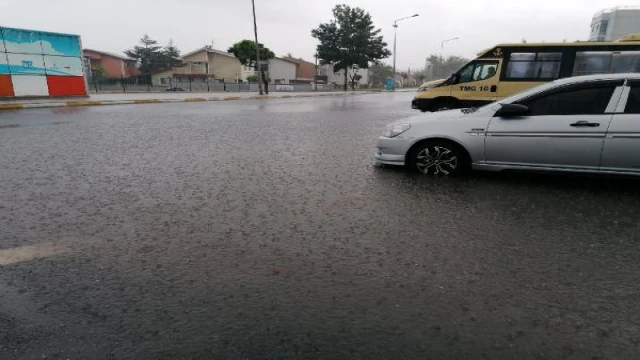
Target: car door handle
(585, 124)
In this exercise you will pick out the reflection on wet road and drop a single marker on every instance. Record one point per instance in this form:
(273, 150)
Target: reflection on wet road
(261, 229)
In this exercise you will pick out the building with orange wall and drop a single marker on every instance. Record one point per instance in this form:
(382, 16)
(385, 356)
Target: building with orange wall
(113, 65)
(305, 72)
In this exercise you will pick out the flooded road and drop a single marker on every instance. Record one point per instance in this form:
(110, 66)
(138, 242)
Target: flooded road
(262, 230)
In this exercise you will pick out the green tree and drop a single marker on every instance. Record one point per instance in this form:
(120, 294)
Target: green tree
(245, 52)
(438, 67)
(171, 55)
(149, 55)
(354, 77)
(349, 40)
(98, 72)
(255, 78)
(379, 73)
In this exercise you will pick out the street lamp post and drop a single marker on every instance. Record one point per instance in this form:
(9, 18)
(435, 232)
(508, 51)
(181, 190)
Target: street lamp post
(395, 38)
(255, 31)
(442, 45)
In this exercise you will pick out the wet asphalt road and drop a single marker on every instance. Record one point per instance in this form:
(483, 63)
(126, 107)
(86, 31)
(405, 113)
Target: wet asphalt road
(261, 230)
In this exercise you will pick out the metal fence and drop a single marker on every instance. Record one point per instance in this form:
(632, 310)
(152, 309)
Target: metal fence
(195, 85)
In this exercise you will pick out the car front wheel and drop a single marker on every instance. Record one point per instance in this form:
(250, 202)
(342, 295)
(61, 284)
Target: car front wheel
(438, 158)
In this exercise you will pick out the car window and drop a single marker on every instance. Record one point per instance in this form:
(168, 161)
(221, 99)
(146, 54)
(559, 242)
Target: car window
(581, 101)
(633, 102)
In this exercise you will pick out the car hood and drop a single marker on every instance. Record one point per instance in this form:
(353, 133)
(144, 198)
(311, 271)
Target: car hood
(446, 116)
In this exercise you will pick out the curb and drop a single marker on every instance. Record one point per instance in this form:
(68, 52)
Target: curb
(164, 101)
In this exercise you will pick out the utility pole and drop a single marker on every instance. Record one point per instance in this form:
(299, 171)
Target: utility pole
(255, 31)
(395, 38)
(315, 80)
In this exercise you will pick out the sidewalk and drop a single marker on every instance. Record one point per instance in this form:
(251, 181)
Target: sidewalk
(155, 98)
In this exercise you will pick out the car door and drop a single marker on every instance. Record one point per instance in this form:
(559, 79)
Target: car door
(564, 129)
(476, 83)
(621, 152)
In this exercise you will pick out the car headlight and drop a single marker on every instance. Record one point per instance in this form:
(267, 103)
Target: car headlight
(396, 129)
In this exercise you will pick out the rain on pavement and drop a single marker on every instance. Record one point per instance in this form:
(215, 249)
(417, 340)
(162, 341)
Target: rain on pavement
(262, 230)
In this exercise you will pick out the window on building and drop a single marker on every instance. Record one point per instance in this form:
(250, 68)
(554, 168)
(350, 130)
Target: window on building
(163, 81)
(543, 66)
(603, 28)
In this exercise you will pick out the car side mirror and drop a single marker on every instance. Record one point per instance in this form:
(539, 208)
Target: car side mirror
(455, 78)
(512, 110)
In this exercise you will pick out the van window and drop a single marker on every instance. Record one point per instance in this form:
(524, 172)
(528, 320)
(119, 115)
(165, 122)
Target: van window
(603, 62)
(534, 66)
(628, 61)
(478, 70)
(466, 73)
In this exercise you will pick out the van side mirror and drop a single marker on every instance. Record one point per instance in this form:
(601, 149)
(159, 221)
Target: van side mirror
(451, 80)
(512, 110)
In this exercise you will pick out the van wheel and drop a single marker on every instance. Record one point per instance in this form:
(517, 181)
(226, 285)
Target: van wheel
(442, 105)
(438, 158)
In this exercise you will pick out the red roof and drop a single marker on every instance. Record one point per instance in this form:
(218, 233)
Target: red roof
(107, 54)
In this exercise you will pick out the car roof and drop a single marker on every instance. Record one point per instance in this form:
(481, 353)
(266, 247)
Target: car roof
(585, 78)
(568, 81)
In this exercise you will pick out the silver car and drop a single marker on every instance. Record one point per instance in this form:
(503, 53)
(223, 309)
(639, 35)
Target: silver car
(581, 124)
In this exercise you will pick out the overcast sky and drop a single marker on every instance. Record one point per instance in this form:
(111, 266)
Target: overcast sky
(285, 25)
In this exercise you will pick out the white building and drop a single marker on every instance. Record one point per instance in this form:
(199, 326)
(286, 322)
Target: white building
(247, 71)
(281, 71)
(613, 24)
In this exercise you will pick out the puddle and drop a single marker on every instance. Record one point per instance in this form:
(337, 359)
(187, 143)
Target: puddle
(30, 252)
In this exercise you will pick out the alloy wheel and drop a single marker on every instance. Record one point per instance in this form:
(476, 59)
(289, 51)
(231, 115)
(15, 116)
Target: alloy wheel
(437, 160)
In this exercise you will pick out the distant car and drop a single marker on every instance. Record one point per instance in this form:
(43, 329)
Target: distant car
(582, 124)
